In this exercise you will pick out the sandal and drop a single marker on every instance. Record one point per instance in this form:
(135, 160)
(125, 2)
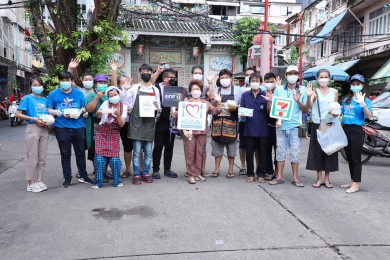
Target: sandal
(191, 180)
(276, 182)
(261, 180)
(328, 185)
(242, 171)
(205, 174)
(346, 186)
(214, 174)
(268, 177)
(200, 178)
(125, 175)
(230, 175)
(297, 184)
(317, 184)
(250, 179)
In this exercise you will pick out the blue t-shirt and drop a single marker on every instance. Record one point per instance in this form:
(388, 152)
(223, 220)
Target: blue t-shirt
(256, 126)
(353, 113)
(33, 106)
(284, 92)
(60, 100)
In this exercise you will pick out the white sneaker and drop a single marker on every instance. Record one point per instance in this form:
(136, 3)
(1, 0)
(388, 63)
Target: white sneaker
(34, 188)
(95, 187)
(42, 185)
(120, 184)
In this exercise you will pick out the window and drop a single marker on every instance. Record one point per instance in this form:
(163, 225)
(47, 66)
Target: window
(337, 3)
(280, 39)
(379, 22)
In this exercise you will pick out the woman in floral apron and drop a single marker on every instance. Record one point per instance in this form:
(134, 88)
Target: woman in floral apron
(112, 115)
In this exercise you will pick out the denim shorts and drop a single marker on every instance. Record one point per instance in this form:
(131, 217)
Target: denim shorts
(288, 141)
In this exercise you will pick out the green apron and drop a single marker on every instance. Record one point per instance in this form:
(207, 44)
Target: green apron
(141, 128)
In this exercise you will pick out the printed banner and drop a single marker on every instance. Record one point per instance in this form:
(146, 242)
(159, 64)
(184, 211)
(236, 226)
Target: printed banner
(146, 106)
(172, 96)
(282, 108)
(192, 116)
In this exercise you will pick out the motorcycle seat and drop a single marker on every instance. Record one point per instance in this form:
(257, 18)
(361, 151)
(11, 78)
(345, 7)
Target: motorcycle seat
(379, 127)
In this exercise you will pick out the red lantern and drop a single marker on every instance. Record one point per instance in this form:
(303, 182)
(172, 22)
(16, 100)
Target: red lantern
(140, 49)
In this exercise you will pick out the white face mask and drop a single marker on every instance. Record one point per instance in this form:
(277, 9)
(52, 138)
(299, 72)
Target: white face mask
(196, 93)
(225, 83)
(255, 85)
(197, 77)
(292, 79)
(323, 82)
(269, 86)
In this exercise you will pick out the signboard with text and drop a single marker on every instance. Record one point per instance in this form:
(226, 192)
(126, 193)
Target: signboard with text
(172, 96)
(192, 116)
(282, 108)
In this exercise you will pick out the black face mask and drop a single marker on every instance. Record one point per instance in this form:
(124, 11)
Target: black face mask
(172, 82)
(146, 77)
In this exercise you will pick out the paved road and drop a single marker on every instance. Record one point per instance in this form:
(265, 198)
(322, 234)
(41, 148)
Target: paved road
(170, 219)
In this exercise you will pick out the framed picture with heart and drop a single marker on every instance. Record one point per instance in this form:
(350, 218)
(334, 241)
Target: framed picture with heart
(192, 116)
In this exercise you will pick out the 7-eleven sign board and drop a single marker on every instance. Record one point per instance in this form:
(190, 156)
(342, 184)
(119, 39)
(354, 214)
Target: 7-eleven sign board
(282, 108)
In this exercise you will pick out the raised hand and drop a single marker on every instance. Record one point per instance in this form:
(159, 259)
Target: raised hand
(309, 89)
(114, 65)
(278, 81)
(268, 95)
(297, 95)
(73, 63)
(217, 97)
(210, 77)
(99, 94)
(360, 99)
(128, 83)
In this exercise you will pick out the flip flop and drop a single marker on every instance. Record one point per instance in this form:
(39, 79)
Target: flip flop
(261, 180)
(317, 184)
(276, 182)
(328, 185)
(297, 184)
(242, 171)
(230, 175)
(214, 174)
(125, 175)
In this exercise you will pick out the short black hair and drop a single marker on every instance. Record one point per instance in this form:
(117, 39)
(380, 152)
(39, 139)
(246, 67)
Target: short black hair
(197, 67)
(225, 71)
(167, 71)
(256, 76)
(86, 74)
(37, 79)
(269, 75)
(249, 68)
(145, 67)
(65, 75)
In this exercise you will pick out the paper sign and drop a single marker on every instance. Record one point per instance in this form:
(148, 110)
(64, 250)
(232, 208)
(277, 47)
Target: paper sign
(245, 111)
(146, 106)
(192, 116)
(172, 96)
(282, 108)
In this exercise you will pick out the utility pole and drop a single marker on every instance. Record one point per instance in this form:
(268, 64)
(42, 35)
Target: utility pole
(265, 65)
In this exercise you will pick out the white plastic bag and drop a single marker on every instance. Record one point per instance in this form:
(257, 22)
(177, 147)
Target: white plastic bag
(333, 138)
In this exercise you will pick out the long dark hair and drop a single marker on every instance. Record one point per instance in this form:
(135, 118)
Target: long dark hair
(35, 78)
(350, 94)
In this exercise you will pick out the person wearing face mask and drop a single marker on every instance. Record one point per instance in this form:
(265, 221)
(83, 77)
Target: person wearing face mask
(195, 141)
(355, 109)
(318, 101)
(225, 125)
(256, 127)
(142, 129)
(248, 72)
(112, 114)
(165, 134)
(270, 82)
(36, 134)
(287, 138)
(69, 126)
(87, 79)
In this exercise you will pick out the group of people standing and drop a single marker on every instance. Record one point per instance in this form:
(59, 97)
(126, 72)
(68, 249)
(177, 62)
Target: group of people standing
(97, 117)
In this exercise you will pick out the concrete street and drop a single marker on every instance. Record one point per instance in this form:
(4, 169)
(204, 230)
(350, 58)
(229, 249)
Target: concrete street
(171, 219)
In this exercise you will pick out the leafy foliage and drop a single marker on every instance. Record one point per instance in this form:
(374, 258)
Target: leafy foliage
(294, 55)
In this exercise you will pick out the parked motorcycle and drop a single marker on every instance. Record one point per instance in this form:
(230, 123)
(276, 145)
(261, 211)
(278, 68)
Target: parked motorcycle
(3, 110)
(376, 141)
(12, 114)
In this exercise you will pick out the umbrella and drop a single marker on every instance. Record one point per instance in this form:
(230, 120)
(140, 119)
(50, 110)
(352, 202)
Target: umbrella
(335, 73)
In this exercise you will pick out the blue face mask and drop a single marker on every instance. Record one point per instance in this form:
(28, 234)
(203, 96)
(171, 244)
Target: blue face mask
(102, 88)
(37, 90)
(65, 85)
(356, 88)
(114, 99)
(88, 84)
(262, 88)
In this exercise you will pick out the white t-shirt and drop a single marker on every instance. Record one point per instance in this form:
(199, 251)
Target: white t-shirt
(131, 94)
(104, 108)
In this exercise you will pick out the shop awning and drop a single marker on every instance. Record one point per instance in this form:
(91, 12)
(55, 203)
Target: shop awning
(222, 3)
(347, 65)
(328, 27)
(382, 75)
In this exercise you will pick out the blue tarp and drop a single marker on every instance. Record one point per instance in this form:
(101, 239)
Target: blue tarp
(335, 73)
(329, 26)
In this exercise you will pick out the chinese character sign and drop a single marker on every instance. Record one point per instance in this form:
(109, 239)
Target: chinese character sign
(192, 116)
(282, 108)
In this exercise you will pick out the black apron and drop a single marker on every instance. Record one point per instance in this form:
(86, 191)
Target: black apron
(224, 128)
(141, 128)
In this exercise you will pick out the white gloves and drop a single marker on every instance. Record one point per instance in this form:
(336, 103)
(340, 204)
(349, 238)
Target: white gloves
(55, 113)
(85, 115)
(360, 99)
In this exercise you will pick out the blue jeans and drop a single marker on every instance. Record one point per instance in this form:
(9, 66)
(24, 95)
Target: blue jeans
(287, 141)
(138, 146)
(66, 137)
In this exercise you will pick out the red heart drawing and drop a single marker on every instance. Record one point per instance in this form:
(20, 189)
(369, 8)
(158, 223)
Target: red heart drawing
(193, 106)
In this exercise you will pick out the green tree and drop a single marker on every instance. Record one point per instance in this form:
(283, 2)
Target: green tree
(58, 45)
